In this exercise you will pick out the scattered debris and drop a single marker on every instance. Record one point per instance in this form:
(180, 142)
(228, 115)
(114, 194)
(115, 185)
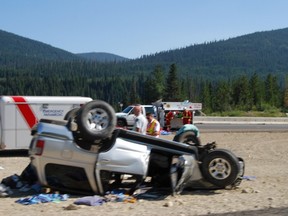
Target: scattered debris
(249, 178)
(42, 198)
(90, 201)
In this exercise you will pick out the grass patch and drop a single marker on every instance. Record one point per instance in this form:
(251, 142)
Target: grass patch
(239, 113)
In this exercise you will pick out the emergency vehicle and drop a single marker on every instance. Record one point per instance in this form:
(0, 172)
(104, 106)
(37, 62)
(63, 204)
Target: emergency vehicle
(177, 109)
(159, 109)
(181, 105)
(18, 114)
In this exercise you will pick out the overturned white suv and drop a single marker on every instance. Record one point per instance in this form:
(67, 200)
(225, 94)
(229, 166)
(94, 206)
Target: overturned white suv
(86, 154)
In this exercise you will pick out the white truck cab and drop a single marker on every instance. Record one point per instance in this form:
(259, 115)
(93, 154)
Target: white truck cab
(126, 118)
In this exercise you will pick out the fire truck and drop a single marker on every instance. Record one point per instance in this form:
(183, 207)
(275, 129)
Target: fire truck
(177, 109)
(159, 109)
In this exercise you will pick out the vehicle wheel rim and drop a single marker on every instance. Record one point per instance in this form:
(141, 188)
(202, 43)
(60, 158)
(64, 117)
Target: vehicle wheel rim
(219, 168)
(97, 120)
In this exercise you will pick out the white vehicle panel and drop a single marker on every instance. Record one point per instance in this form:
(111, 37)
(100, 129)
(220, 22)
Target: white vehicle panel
(125, 157)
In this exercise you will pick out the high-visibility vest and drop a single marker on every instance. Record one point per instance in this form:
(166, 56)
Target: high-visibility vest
(151, 127)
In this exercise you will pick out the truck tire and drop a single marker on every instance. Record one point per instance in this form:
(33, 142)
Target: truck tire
(96, 120)
(187, 137)
(220, 167)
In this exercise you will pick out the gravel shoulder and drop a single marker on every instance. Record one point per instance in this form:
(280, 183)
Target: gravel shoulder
(266, 192)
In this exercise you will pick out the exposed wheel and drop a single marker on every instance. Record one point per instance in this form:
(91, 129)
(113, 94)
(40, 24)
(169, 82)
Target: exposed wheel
(121, 123)
(71, 114)
(187, 137)
(220, 167)
(96, 120)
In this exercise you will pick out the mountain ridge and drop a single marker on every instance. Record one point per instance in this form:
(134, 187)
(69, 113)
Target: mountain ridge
(102, 57)
(260, 52)
(15, 45)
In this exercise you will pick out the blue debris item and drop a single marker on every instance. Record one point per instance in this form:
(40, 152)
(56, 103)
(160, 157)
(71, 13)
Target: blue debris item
(163, 132)
(42, 198)
(90, 201)
(249, 178)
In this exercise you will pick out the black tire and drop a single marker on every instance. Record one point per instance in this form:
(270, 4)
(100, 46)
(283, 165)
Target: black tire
(220, 167)
(71, 114)
(241, 174)
(187, 137)
(121, 122)
(96, 120)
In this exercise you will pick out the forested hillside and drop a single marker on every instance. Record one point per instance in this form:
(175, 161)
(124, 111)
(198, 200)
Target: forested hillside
(102, 57)
(244, 73)
(260, 52)
(21, 52)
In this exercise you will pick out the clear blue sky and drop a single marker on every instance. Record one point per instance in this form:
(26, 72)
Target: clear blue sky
(132, 28)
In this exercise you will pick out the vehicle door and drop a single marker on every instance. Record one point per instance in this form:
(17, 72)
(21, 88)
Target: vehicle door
(124, 157)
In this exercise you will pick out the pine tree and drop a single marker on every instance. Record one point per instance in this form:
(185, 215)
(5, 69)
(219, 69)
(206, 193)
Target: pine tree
(207, 97)
(155, 85)
(256, 91)
(221, 97)
(285, 102)
(172, 89)
(134, 97)
(241, 94)
(272, 91)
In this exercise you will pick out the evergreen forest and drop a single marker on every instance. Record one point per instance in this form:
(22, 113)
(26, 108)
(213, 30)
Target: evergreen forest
(247, 73)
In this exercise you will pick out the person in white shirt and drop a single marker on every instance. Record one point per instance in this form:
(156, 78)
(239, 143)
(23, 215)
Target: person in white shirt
(141, 122)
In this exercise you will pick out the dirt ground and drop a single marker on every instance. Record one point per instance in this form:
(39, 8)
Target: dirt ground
(266, 192)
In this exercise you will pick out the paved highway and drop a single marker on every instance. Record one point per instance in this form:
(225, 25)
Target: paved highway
(234, 127)
(241, 124)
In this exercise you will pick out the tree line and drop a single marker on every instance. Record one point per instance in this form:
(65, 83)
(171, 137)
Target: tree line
(241, 93)
(244, 92)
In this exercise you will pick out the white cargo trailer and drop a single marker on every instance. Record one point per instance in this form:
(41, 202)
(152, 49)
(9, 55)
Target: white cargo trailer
(18, 114)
